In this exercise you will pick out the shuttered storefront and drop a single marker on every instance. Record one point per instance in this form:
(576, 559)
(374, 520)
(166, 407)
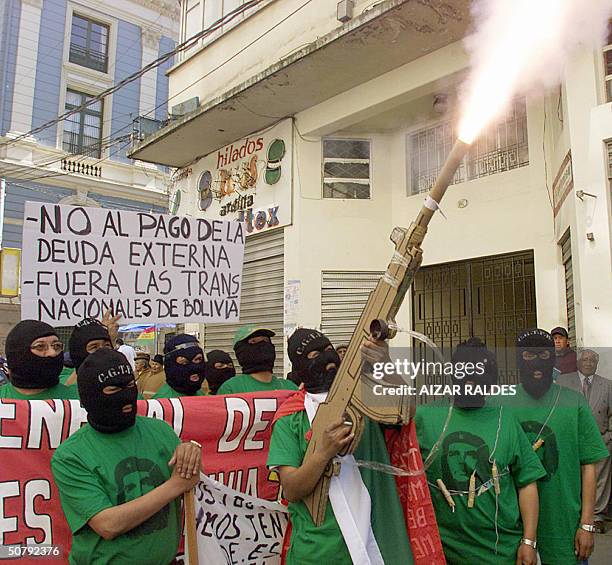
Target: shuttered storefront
(566, 258)
(261, 301)
(343, 296)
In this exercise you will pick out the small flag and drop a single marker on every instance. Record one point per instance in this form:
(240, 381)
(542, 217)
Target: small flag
(148, 334)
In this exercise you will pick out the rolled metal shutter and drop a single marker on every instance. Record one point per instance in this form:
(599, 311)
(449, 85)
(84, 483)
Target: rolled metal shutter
(261, 301)
(566, 257)
(343, 296)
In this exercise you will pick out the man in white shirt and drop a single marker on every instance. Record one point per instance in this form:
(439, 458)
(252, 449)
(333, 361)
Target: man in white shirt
(598, 392)
(128, 351)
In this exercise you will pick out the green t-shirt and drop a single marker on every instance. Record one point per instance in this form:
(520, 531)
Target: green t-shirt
(468, 534)
(312, 545)
(65, 374)
(166, 391)
(58, 391)
(242, 384)
(95, 471)
(563, 419)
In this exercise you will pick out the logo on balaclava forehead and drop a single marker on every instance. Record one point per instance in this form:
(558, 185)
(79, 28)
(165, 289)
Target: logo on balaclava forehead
(462, 453)
(136, 477)
(121, 374)
(306, 341)
(548, 452)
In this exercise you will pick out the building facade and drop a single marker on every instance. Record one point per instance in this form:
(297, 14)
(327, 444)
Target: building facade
(56, 55)
(371, 106)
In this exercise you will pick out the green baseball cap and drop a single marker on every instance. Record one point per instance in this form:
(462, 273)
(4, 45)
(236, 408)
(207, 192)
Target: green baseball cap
(251, 330)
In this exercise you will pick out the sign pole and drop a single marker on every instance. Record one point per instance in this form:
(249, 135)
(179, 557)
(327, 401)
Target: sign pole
(190, 528)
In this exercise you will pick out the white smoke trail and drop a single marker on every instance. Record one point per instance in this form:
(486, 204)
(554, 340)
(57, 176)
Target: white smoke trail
(522, 45)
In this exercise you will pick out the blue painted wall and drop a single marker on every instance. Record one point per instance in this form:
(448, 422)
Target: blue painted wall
(18, 192)
(49, 68)
(161, 93)
(47, 92)
(125, 204)
(10, 13)
(126, 101)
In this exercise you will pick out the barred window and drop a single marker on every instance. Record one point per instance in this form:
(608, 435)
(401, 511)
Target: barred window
(83, 130)
(346, 168)
(89, 43)
(502, 147)
(608, 63)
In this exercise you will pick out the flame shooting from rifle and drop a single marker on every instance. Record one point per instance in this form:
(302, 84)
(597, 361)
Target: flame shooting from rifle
(521, 45)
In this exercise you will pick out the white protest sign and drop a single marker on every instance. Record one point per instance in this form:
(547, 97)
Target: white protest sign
(234, 528)
(79, 262)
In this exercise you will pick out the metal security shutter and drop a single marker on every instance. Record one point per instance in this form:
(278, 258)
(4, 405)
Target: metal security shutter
(261, 301)
(343, 296)
(566, 258)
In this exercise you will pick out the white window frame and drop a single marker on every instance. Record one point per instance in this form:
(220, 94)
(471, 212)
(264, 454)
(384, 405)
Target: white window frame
(607, 78)
(325, 160)
(102, 118)
(100, 23)
(99, 77)
(84, 79)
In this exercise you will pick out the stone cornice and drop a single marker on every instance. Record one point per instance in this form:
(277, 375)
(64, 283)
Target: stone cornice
(150, 38)
(168, 8)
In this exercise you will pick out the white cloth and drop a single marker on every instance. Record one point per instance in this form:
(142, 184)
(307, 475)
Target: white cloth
(129, 353)
(582, 377)
(350, 501)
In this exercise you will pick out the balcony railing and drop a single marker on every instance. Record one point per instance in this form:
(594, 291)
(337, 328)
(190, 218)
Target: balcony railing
(88, 58)
(70, 166)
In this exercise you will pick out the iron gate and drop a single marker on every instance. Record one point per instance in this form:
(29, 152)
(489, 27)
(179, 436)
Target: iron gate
(492, 298)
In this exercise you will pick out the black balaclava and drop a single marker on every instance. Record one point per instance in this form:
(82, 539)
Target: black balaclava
(216, 377)
(535, 341)
(484, 372)
(255, 357)
(312, 372)
(29, 370)
(102, 368)
(85, 331)
(178, 376)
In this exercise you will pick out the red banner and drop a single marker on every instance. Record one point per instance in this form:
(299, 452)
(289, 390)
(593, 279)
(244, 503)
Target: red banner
(234, 433)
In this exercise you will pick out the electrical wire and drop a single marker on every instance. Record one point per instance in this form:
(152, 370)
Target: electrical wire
(18, 172)
(231, 58)
(185, 45)
(48, 175)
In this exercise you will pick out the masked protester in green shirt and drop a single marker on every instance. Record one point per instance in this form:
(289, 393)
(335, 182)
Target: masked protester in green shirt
(374, 519)
(219, 369)
(563, 432)
(185, 368)
(120, 478)
(481, 445)
(256, 354)
(35, 359)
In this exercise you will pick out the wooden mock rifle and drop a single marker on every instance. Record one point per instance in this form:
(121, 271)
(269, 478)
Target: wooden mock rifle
(347, 397)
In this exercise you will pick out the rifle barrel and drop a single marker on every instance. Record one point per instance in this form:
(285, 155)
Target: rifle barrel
(442, 182)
